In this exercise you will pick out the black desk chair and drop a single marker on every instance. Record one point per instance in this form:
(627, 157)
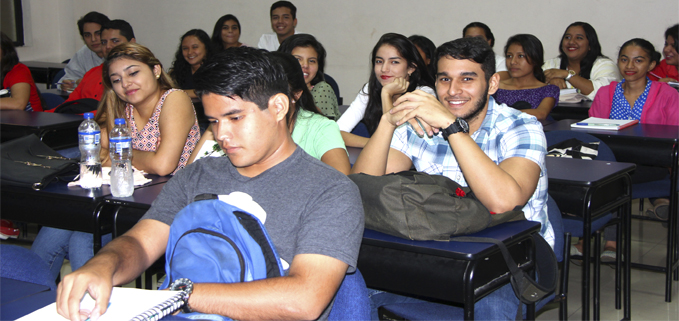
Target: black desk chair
(331, 81)
(575, 225)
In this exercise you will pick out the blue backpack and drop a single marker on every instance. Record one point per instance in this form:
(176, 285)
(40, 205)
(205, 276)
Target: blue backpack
(216, 242)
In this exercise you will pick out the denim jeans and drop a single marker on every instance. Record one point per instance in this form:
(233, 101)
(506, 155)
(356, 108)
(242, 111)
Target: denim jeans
(502, 304)
(53, 245)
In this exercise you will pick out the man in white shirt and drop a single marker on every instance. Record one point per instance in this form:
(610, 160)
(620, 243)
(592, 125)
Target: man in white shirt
(283, 22)
(90, 55)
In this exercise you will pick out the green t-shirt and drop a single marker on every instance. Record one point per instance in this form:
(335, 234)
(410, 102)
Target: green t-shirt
(316, 134)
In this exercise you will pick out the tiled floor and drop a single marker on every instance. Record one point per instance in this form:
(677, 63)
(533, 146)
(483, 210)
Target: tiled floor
(649, 243)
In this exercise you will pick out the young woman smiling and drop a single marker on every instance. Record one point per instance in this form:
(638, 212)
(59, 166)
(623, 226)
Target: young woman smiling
(397, 68)
(195, 46)
(526, 88)
(226, 33)
(668, 69)
(311, 56)
(580, 64)
(637, 97)
(162, 124)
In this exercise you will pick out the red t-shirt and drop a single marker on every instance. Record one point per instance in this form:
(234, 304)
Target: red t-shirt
(663, 70)
(20, 73)
(91, 86)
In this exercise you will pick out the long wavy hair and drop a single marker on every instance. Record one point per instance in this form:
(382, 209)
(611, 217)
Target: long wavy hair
(217, 31)
(181, 69)
(594, 49)
(419, 77)
(9, 56)
(534, 51)
(111, 106)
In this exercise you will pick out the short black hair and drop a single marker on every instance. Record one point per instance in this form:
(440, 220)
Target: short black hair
(122, 26)
(673, 32)
(534, 51)
(286, 4)
(243, 72)
(474, 49)
(94, 17)
(306, 41)
(9, 56)
(486, 30)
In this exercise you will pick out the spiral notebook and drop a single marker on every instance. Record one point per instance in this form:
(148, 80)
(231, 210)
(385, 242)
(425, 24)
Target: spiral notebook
(125, 304)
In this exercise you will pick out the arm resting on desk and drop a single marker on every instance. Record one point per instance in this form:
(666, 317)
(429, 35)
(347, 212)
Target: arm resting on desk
(119, 262)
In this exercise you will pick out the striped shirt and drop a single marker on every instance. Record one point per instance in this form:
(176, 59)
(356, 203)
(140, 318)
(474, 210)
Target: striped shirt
(504, 133)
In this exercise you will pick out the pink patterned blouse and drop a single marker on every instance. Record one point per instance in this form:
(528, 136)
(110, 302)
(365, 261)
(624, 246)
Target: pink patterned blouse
(148, 139)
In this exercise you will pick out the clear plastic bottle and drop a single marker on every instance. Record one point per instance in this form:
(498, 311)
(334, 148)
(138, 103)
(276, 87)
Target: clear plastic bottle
(89, 141)
(120, 150)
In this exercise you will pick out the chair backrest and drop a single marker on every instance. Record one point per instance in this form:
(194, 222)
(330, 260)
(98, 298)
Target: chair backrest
(51, 100)
(554, 216)
(331, 81)
(557, 136)
(22, 264)
(56, 78)
(351, 300)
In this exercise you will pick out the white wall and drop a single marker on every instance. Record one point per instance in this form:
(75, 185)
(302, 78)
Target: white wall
(348, 28)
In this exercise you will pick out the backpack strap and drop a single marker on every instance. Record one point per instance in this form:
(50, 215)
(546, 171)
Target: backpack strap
(205, 196)
(526, 288)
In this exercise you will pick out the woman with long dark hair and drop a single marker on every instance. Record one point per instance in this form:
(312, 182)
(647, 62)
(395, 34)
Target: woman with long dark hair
(17, 80)
(526, 88)
(397, 68)
(162, 125)
(668, 69)
(580, 65)
(226, 33)
(194, 47)
(481, 30)
(311, 56)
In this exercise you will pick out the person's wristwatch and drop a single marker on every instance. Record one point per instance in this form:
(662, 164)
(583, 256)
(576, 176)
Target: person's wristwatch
(571, 73)
(459, 125)
(183, 284)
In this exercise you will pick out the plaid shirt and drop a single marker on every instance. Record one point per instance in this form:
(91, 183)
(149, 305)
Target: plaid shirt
(504, 133)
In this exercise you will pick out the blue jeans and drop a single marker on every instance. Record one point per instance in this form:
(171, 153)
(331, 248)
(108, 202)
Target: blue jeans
(53, 245)
(502, 304)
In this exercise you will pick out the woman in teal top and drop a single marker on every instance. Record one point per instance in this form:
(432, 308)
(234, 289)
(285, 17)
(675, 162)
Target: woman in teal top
(317, 135)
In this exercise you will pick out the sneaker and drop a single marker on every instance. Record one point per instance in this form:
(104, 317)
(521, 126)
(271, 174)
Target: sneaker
(608, 256)
(7, 230)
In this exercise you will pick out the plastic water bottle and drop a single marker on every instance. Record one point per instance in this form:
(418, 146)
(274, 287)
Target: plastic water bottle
(120, 149)
(89, 140)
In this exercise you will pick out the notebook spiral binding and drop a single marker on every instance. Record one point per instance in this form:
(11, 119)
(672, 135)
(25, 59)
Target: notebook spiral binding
(163, 309)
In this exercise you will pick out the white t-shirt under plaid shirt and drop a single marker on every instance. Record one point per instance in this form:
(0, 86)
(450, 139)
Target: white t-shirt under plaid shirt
(504, 133)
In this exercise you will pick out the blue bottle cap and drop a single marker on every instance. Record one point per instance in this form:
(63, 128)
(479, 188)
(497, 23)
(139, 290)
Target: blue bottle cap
(120, 121)
(88, 115)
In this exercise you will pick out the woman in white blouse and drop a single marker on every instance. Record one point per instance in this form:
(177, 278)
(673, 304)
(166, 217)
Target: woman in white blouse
(581, 64)
(397, 68)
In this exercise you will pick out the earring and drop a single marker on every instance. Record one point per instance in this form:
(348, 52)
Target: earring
(157, 76)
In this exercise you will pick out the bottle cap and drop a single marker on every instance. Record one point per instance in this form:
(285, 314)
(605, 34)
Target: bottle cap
(120, 121)
(88, 115)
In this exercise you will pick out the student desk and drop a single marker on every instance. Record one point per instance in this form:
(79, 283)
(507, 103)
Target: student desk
(61, 93)
(652, 145)
(589, 188)
(44, 72)
(13, 290)
(564, 110)
(64, 207)
(454, 272)
(56, 130)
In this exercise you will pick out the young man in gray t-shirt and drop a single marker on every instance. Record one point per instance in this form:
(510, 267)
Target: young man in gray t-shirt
(313, 213)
